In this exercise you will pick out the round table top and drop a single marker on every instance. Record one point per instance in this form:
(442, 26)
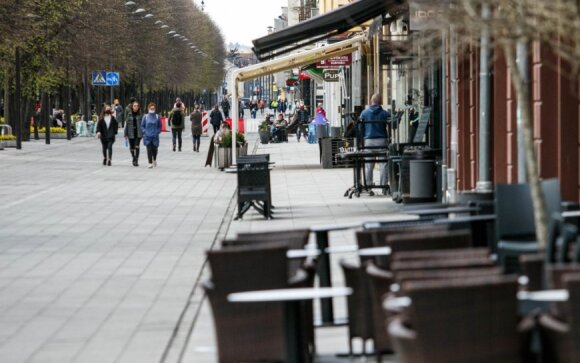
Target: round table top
(298, 253)
(375, 251)
(544, 295)
(289, 294)
(396, 303)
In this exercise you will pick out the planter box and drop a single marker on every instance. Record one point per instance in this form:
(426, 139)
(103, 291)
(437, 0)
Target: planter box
(264, 137)
(9, 143)
(54, 136)
(224, 155)
(1, 145)
(242, 150)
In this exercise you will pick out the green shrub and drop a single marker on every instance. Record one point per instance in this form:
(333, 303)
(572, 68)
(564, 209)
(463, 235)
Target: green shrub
(240, 138)
(53, 130)
(227, 140)
(263, 126)
(7, 137)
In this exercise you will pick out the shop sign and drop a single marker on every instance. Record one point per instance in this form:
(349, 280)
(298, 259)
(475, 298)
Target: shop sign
(331, 75)
(336, 62)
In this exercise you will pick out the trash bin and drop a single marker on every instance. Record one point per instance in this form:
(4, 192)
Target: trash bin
(421, 173)
(335, 131)
(421, 181)
(254, 185)
(321, 131)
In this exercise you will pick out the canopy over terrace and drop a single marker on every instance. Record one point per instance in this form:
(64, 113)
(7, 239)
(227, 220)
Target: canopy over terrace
(288, 62)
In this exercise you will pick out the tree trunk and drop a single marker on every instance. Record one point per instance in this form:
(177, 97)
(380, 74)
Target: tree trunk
(523, 99)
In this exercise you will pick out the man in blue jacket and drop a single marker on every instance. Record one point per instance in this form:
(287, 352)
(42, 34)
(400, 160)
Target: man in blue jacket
(374, 120)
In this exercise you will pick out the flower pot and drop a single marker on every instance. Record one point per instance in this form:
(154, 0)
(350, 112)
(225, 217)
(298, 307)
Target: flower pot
(264, 137)
(224, 157)
(242, 150)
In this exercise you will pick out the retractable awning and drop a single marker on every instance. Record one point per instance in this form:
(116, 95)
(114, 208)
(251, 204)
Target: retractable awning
(321, 27)
(294, 60)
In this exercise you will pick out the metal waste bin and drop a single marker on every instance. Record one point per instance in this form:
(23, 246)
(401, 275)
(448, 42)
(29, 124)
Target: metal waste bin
(422, 178)
(335, 131)
(321, 131)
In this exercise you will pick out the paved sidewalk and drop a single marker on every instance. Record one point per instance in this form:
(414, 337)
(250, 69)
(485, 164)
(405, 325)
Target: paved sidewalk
(97, 263)
(304, 195)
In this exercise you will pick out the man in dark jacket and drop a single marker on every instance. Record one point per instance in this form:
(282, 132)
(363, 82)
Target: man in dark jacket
(376, 138)
(301, 118)
(216, 119)
(226, 107)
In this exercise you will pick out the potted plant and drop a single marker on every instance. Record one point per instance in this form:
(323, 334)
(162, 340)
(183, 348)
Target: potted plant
(55, 132)
(224, 152)
(264, 131)
(242, 145)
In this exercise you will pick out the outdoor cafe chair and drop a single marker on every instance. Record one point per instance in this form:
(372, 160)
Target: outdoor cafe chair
(379, 282)
(442, 264)
(460, 320)
(441, 254)
(444, 274)
(429, 240)
(360, 318)
(559, 338)
(555, 274)
(253, 331)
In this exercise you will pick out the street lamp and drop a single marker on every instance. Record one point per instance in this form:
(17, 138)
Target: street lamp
(164, 26)
(130, 3)
(171, 32)
(148, 16)
(140, 10)
(158, 22)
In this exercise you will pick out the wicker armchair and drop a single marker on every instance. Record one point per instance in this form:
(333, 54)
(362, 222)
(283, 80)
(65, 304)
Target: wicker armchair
(442, 264)
(441, 254)
(560, 339)
(294, 239)
(459, 321)
(444, 274)
(248, 331)
(380, 282)
(555, 280)
(360, 323)
(432, 240)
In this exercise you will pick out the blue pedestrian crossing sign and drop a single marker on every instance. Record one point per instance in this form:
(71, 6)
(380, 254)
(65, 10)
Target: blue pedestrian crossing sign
(104, 78)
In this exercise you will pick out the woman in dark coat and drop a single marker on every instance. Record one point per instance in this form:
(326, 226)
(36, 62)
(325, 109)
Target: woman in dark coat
(196, 128)
(216, 119)
(107, 128)
(133, 131)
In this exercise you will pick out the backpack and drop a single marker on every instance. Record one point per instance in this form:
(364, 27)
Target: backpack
(177, 119)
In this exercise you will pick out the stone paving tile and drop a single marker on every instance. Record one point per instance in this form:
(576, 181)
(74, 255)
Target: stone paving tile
(97, 263)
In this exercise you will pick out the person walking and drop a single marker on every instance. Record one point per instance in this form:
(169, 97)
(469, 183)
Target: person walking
(241, 108)
(129, 108)
(374, 120)
(413, 123)
(216, 119)
(196, 128)
(107, 128)
(261, 105)
(253, 108)
(119, 112)
(133, 132)
(151, 128)
(282, 105)
(321, 110)
(177, 122)
(226, 107)
(301, 119)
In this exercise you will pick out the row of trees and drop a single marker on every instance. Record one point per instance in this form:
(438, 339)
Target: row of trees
(62, 41)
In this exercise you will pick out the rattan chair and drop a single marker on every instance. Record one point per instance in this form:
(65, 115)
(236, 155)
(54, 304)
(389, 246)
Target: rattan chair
(555, 280)
(360, 324)
(460, 321)
(248, 331)
(431, 240)
(441, 254)
(379, 282)
(444, 274)
(560, 339)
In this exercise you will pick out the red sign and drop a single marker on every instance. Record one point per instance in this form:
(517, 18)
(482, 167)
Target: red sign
(336, 62)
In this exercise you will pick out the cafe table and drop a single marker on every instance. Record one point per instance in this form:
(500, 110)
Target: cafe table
(291, 299)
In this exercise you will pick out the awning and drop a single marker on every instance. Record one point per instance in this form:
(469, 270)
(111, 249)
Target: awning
(321, 27)
(280, 64)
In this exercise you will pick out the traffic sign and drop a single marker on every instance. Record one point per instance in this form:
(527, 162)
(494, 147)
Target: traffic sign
(104, 78)
(112, 78)
(99, 78)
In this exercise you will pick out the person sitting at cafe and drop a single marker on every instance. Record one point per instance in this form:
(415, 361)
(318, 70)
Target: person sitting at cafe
(279, 128)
